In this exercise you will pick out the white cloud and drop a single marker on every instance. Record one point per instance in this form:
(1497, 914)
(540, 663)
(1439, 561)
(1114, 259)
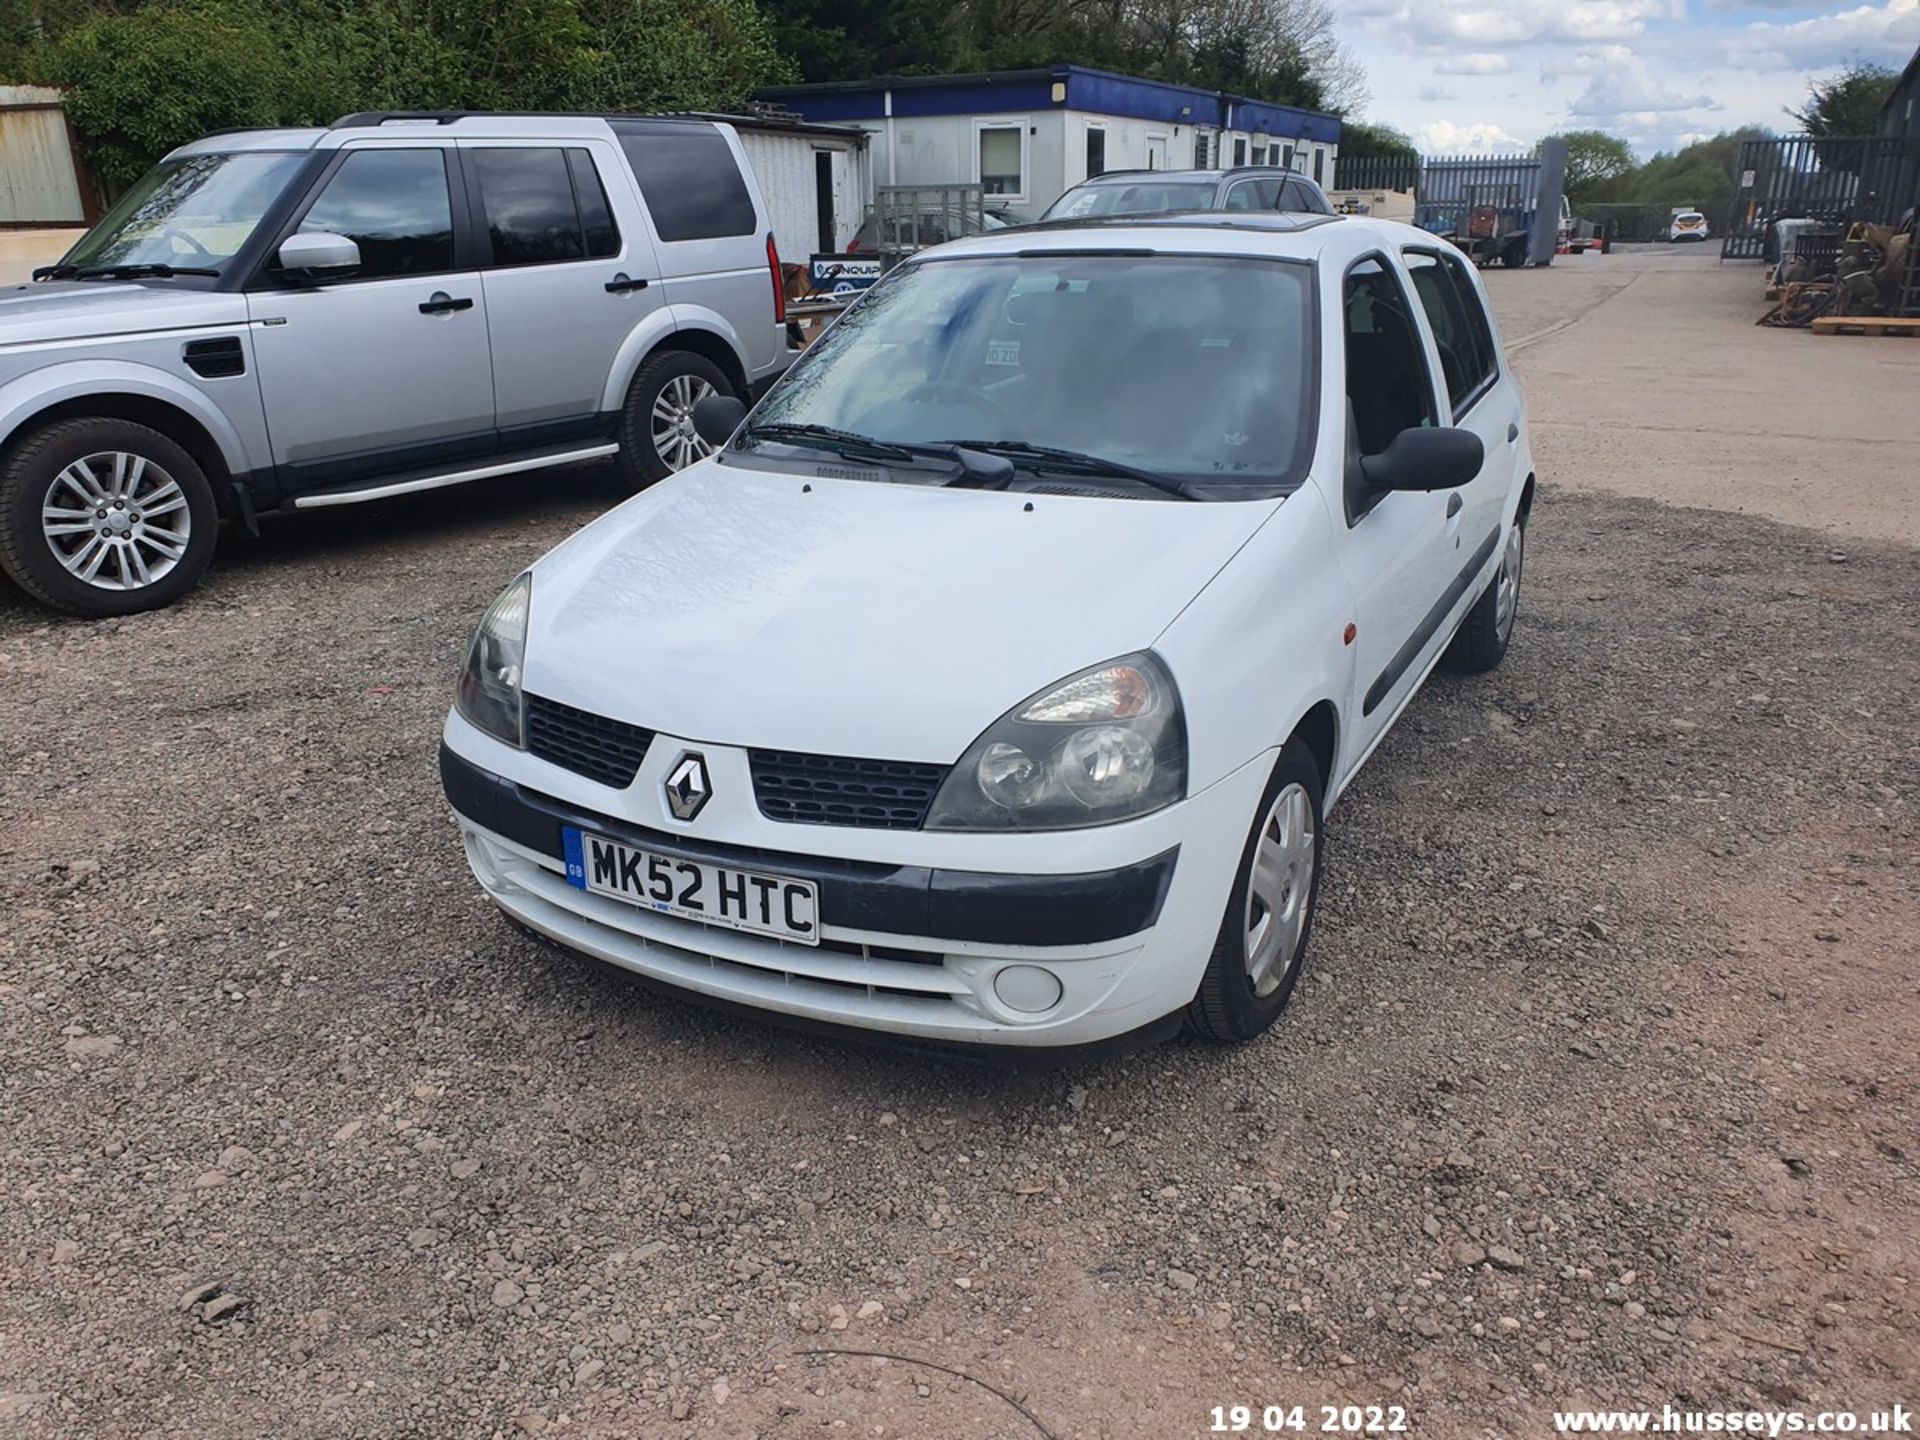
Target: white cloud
(1886, 32)
(1443, 137)
(1436, 94)
(1515, 22)
(1474, 62)
(1625, 87)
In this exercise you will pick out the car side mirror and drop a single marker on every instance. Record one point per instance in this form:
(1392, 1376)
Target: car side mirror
(317, 253)
(717, 417)
(1425, 458)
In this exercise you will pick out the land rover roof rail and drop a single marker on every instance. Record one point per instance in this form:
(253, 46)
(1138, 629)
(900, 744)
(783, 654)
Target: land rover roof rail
(381, 117)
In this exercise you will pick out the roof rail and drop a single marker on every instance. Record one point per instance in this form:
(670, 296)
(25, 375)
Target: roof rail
(362, 118)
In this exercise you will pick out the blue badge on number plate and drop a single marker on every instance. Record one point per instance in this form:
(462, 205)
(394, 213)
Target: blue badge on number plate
(576, 858)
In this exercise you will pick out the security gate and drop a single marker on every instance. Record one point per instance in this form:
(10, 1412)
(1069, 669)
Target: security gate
(1838, 180)
(909, 218)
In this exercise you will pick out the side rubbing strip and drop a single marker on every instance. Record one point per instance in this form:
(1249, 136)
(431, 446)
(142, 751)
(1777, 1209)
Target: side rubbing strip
(1430, 622)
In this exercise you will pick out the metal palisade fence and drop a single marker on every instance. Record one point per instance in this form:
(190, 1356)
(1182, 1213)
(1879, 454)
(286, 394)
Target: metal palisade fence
(1839, 179)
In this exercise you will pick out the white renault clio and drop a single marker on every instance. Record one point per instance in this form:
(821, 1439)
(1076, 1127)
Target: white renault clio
(993, 682)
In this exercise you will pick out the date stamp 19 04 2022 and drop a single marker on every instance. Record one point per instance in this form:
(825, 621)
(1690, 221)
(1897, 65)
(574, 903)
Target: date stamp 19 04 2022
(1308, 1419)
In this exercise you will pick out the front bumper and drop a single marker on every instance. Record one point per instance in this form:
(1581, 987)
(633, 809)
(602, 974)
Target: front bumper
(910, 950)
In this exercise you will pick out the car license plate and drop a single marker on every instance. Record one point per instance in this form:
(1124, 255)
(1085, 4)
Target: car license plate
(694, 889)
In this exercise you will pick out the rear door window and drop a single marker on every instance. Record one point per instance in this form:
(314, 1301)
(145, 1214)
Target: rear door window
(393, 204)
(1459, 365)
(1487, 356)
(596, 216)
(688, 177)
(527, 198)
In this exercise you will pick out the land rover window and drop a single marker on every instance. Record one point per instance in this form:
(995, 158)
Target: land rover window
(688, 177)
(526, 195)
(596, 216)
(393, 204)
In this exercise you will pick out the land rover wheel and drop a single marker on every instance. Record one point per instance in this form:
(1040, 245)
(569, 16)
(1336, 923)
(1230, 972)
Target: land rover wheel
(656, 432)
(104, 517)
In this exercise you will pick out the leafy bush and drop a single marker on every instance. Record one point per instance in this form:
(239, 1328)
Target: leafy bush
(144, 79)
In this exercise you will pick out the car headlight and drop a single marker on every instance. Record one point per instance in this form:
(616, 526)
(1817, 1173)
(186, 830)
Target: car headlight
(1104, 745)
(489, 694)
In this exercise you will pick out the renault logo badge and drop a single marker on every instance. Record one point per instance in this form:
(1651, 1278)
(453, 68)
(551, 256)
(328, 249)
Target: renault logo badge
(687, 787)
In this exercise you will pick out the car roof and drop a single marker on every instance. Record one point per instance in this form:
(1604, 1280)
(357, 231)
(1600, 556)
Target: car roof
(1122, 177)
(486, 124)
(1276, 234)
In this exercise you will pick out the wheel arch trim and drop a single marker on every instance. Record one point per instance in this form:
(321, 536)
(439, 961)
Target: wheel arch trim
(657, 332)
(70, 387)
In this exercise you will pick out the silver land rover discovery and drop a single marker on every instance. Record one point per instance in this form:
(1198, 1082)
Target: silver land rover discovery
(282, 319)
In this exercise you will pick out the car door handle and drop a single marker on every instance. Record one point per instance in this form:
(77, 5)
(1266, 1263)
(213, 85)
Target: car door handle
(1513, 432)
(1454, 504)
(620, 284)
(439, 303)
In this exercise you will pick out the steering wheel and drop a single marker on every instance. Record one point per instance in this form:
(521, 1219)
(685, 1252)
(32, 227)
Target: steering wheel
(170, 232)
(933, 392)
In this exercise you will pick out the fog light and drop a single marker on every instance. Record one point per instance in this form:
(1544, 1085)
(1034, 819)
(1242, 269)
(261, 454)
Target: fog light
(1027, 988)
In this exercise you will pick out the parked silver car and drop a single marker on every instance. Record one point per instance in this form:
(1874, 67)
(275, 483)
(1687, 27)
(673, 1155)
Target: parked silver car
(284, 319)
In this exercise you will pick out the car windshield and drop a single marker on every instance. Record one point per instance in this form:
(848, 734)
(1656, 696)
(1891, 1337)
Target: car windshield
(195, 211)
(1133, 197)
(1197, 368)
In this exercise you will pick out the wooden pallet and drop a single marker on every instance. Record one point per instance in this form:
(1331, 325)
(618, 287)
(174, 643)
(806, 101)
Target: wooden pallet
(1868, 324)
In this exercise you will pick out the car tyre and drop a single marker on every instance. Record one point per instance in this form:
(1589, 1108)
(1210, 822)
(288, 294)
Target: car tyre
(1481, 642)
(656, 426)
(1248, 982)
(151, 532)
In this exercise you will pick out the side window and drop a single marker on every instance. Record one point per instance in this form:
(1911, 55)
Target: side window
(688, 177)
(1459, 367)
(596, 216)
(1485, 353)
(395, 206)
(1306, 199)
(1387, 386)
(1242, 197)
(1269, 192)
(527, 197)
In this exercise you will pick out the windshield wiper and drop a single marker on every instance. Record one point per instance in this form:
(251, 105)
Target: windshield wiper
(845, 442)
(153, 270)
(1078, 462)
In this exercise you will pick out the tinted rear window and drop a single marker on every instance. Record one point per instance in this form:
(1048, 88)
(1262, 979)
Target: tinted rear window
(688, 178)
(528, 199)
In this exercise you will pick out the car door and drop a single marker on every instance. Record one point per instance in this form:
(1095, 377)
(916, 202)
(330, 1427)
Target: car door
(387, 368)
(1477, 393)
(1394, 549)
(567, 278)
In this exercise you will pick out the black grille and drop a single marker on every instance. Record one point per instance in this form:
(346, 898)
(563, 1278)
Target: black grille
(831, 790)
(606, 750)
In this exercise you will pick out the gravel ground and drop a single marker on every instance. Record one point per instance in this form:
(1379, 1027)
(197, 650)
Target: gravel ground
(1601, 1088)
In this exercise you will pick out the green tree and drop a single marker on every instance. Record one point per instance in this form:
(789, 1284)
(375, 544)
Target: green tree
(1360, 140)
(141, 78)
(1849, 103)
(1595, 160)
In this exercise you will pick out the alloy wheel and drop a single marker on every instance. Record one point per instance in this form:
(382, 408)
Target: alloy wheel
(1279, 889)
(675, 440)
(116, 521)
(1506, 585)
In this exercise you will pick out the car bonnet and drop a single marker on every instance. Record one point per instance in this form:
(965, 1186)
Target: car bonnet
(849, 617)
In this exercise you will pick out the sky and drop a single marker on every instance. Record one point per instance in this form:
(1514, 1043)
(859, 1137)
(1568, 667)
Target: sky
(1460, 75)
